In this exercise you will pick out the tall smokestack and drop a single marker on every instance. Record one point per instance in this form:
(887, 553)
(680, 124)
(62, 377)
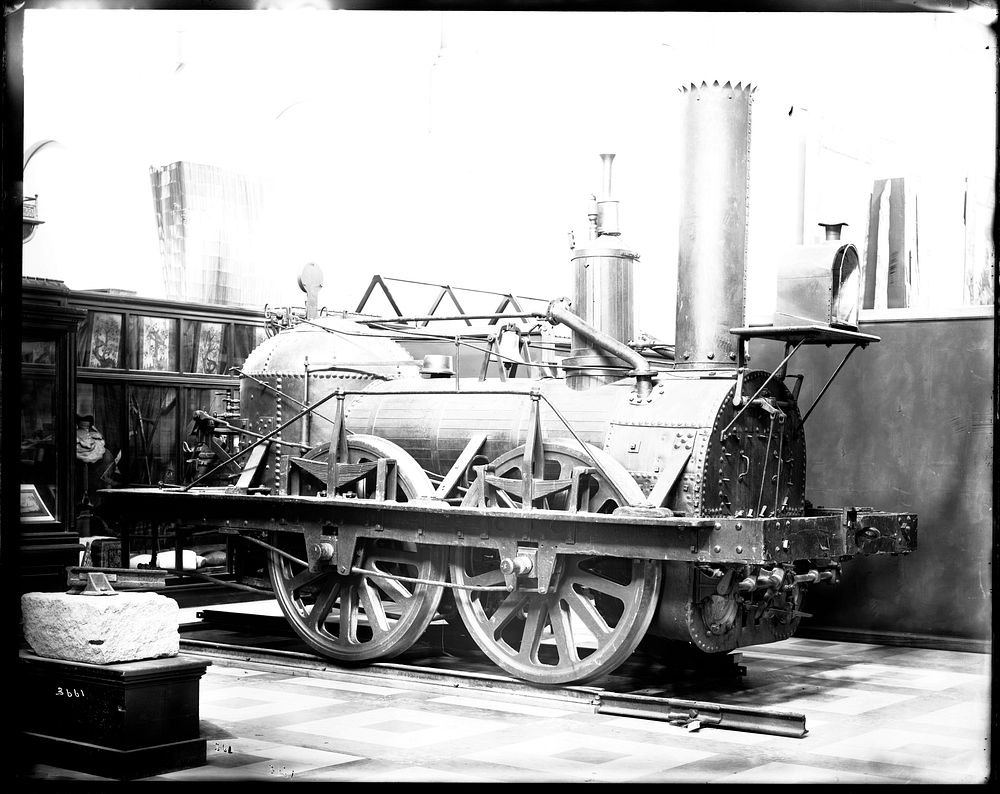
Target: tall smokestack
(711, 271)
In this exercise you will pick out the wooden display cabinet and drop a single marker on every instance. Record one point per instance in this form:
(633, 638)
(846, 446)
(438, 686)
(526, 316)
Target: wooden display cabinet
(48, 538)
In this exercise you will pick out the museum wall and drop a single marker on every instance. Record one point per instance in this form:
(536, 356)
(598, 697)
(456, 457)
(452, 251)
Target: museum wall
(906, 425)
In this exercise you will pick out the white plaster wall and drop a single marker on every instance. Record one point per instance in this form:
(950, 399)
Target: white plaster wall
(469, 163)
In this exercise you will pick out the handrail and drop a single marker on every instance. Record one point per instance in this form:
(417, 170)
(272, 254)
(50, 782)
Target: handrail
(414, 393)
(461, 289)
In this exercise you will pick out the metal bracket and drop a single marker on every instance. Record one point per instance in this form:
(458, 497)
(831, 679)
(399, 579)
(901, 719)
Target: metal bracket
(673, 467)
(320, 548)
(476, 495)
(545, 564)
(534, 453)
(98, 585)
(347, 541)
(492, 349)
(124, 578)
(338, 446)
(523, 563)
(534, 565)
(579, 485)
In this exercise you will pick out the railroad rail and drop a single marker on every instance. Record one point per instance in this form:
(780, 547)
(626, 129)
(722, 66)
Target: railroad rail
(690, 714)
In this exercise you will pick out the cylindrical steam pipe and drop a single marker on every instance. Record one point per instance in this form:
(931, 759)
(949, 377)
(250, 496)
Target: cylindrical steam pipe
(641, 369)
(711, 272)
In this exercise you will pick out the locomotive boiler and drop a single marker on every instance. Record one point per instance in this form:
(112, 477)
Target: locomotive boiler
(561, 517)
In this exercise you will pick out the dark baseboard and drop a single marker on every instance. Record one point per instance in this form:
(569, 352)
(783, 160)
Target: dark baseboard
(896, 638)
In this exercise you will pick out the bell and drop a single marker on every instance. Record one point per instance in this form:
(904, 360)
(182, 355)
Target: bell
(509, 346)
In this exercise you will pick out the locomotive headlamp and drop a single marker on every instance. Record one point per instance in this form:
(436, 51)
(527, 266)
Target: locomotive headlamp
(819, 284)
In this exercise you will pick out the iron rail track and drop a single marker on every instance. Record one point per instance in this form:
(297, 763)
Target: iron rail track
(688, 713)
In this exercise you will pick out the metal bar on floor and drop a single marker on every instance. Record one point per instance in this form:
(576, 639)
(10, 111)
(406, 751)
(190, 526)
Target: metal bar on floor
(694, 714)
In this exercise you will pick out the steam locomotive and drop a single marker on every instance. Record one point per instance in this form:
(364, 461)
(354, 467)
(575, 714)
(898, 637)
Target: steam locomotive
(560, 517)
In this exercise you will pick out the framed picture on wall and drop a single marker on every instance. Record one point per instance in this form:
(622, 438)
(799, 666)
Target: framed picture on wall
(105, 340)
(33, 509)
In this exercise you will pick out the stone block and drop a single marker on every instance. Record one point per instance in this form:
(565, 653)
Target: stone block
(103, 629)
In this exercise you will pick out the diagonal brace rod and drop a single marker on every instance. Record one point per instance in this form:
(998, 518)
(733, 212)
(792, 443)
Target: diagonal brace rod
(827, 386)
(262, 439)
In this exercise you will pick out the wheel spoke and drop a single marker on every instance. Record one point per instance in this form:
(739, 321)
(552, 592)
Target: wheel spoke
(394, 557)
(374, 609)
(505, 613)
(393, 588)
(594, 581)
(491, 578)
(600, 498)
(562, 631)
(325, 600)
(303, 578)
(584, 609)
(531, 637)
(503, 496)
(348, 616)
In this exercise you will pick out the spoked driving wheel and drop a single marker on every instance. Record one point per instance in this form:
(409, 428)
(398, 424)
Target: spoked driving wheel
(362, 616)
(597, 608)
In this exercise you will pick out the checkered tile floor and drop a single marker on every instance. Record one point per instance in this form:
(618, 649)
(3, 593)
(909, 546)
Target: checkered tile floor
(874, 714)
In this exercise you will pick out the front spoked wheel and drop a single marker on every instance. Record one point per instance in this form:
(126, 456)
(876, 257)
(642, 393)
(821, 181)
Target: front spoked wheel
(358, 617)
(596, 610)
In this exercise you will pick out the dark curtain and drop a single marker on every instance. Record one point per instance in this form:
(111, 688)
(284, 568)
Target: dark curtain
(245, 339)
(203, 347)
(152, 441)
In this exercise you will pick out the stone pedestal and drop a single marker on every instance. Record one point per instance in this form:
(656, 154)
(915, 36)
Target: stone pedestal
(123, 721)
(101, 629)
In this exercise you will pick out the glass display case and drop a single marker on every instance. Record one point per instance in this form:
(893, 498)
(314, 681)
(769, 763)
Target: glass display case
(49, 540)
